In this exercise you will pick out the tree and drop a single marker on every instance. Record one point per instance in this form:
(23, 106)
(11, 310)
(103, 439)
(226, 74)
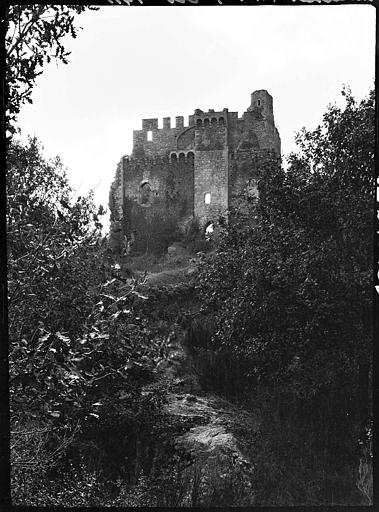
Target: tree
(77, 346)
(53, 250)
(46, 232)
(290, 292)
(81, 348)
(288, 295)
(34, 37)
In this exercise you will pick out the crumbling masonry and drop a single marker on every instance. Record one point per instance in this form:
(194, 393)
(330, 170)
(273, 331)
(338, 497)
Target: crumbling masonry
(195, 171)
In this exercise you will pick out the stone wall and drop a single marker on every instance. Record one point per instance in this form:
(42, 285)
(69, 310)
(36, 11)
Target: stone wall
(172, 169)
(211, 177)
(160, 188)
(243, 175)
(163, 140)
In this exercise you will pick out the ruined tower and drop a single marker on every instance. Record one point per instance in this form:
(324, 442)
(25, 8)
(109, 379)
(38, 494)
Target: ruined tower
(191, 171)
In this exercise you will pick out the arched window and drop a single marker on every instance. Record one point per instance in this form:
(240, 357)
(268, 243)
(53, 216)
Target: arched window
(190, 157)
(174, 158)
(182, 157)
(214, 121)
(206, 122)
(199, 123)
(207, 198)
(221, 121)
(145, 193)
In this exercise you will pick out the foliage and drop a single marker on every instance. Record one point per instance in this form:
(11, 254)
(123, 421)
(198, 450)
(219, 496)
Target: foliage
(82, 355)
(298, 463)
(34, 37)
(289, 307)
(288, 271)
(48, 235)
(81, 352)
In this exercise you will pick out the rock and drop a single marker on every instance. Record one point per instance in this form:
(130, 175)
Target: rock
(187, 384)
(209, 438)
(219, 466)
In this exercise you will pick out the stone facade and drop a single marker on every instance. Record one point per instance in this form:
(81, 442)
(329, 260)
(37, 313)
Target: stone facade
(193, 170)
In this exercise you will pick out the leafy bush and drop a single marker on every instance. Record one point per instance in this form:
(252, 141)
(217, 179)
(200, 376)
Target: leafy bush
(81, 351)
(288, 292)
(287, 271)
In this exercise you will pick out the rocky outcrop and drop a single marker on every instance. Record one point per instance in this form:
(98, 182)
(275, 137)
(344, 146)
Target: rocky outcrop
(216, 436)
(218, 443)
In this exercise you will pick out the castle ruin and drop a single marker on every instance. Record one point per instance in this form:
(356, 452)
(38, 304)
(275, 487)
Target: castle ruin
(195, 171)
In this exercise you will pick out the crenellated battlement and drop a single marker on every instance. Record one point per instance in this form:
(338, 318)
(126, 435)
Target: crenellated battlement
(198, 119)
(177, 123)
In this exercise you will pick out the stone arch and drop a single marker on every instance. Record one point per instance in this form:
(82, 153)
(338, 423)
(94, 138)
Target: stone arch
(206, 122)
(221, 121)
(214, 121)
(186, 140)
(174, 158)
(182, 157)
(199, 123)
(190, 156)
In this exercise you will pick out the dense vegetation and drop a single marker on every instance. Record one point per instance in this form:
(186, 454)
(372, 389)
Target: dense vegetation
(277, 319)
(86, 404)
(288, 303)
(267, 328)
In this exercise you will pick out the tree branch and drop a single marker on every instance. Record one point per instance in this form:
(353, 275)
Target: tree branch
(26, 28)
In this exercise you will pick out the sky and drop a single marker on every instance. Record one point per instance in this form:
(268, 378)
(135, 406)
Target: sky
(130, 63)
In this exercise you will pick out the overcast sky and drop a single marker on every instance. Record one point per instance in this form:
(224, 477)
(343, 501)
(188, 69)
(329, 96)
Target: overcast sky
(130, 63)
